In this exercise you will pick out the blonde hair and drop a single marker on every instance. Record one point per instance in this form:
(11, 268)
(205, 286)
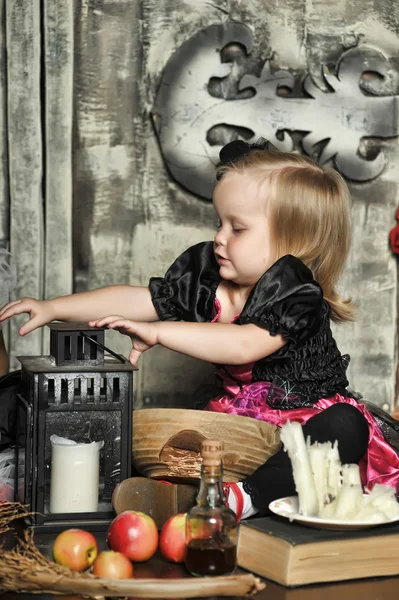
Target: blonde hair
(309, 211)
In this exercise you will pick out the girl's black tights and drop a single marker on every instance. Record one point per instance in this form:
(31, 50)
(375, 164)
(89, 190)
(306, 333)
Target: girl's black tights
(274, 479)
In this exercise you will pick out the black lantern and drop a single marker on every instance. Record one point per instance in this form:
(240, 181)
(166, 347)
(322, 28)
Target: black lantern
(74, 429)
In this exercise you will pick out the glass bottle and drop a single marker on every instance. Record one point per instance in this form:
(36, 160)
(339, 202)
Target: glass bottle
(211, 527)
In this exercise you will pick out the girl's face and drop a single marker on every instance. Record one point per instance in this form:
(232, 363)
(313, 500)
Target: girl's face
(242, 243)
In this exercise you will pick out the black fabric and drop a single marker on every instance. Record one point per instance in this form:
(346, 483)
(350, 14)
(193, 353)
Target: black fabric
(307, 372)
(10, 386)
(286, 300)
(187, 292)
(341, 422)
(237, 149)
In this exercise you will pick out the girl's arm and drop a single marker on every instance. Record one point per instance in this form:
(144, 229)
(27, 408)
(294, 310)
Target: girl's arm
(132, 302)
(214, 342)
(129, 301)
(219, 342)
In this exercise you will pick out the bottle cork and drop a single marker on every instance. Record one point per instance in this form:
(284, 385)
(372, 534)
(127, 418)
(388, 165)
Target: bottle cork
(212, 452)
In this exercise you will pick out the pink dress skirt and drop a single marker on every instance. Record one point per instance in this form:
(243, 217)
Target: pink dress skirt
(379, 465)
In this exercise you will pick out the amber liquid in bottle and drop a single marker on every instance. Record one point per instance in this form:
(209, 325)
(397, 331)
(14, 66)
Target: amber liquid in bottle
(204, 558)
(211, 526)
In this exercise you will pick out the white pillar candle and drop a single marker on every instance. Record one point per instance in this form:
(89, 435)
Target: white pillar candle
(75, 470)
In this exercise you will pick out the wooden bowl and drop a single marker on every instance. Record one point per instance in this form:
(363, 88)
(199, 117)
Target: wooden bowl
(167, 442)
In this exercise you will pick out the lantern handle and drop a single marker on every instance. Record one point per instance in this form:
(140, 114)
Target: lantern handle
(119, 357)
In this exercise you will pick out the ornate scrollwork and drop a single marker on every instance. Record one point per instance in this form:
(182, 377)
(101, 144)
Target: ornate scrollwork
(359, 103)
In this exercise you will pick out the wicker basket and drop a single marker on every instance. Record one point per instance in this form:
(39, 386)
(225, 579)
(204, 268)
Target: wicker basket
(166, 442)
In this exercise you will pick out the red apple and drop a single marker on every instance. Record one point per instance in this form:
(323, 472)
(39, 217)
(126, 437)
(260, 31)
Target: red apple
(172, 541)
(76, 549)
(134, 534)
(113, 565)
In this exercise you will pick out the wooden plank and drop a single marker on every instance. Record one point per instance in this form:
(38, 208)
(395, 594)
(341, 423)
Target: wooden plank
(4, 192)
(108, 145)
(4, 203)
(107, 142)
(58, 110)
(371, 280)
(25, 160)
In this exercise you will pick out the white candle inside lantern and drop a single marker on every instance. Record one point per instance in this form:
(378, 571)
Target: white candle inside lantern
(75, 470)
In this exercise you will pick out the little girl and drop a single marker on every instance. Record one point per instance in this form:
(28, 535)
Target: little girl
(257, 302)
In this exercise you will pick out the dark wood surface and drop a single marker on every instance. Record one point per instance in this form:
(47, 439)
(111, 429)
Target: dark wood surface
(365, 589)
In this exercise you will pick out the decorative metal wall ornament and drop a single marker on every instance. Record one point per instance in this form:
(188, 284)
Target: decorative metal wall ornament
(355, 107)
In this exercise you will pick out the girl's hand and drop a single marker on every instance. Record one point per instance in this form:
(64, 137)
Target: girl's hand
(40, 313)
(143, 335)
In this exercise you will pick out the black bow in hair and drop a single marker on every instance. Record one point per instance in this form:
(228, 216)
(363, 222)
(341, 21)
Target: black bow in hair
(238, 148)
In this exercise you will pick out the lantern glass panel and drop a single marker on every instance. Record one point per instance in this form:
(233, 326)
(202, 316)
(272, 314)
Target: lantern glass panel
(84, 427)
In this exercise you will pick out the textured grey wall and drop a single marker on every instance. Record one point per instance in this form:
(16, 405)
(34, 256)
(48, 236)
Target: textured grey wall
(86, 199)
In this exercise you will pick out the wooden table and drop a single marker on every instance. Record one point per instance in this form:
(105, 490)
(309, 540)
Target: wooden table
(365, 589)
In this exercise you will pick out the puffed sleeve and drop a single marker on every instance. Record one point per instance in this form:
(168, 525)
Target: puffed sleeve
(287, 301)
(187, 292)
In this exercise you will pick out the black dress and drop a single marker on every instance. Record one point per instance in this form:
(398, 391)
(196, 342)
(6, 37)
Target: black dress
(286, 300)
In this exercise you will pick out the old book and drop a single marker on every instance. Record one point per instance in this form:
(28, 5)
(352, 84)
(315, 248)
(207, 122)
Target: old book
(293, 554)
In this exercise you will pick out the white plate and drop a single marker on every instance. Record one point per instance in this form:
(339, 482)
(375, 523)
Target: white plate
(288, 508)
